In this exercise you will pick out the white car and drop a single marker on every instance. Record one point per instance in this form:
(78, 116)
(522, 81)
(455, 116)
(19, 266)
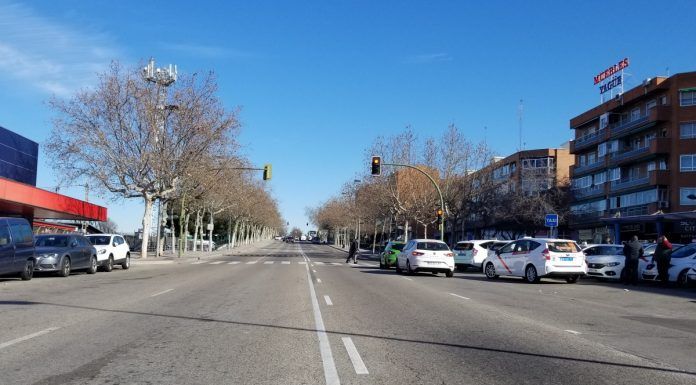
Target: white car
(112, 249)
(682, 261)
(471, 253)
(534, 258)
(427, 255)
(605, 261)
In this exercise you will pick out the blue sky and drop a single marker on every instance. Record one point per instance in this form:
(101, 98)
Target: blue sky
(317, 81)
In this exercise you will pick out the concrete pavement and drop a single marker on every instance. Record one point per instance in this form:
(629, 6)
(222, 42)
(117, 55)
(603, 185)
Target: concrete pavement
(279, 313)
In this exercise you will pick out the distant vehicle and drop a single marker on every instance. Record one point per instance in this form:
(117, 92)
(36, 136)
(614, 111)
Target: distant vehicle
(605, 261)
(278, 238)
(391, 252)
(534, 258)
(63, 253)
(111, 249)
(17, 255)
(471, 253)
(427, 255)
(303, 238)
(316, 240)
(682, 261)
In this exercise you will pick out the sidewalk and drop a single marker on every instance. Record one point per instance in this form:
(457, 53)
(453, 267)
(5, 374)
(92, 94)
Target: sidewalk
(191, 256)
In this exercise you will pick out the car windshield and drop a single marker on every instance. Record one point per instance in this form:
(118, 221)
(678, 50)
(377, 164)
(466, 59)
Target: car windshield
(563, 247)
(436, 246)
(99, 240)
(52, 241)
(685, 251)
(397, 246)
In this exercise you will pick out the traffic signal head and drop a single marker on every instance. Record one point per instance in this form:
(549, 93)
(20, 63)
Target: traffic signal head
(376, 165)
(439, 216)
(267, 172)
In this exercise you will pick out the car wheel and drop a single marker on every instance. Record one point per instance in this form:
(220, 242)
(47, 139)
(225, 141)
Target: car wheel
(490, 271)
(572, 278)
(408, 268)
(109, 264)
(126, 264)
(381, 265)
(65, 267)
(92, 265)
(682, 279)
(449, 274)
(28, 271)
(530, 274)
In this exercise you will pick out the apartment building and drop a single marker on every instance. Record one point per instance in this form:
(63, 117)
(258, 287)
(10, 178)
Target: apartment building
(635, 163)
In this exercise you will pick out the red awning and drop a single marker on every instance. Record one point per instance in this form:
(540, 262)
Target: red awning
(28, 201)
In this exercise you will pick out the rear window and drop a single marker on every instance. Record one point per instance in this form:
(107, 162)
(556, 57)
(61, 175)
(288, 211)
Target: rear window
(436, 246)
(99, 240)
(685, 251)
(397, 246)
(563, 247)
(464, 246)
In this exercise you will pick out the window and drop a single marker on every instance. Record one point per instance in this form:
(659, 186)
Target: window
(563, 247)
(686, 163)
(663, 164)
(634, 199)
(687, 130)
(687, 196)
(602, 149)
(635, 114)
(4, 235)
(592, 158)
(508, 248)
(464, 246)
(21, 233)
(651, 166)
(599, 178)
(437, 246)
(614, 174)
(650, 105)
(582, 182)
(663, 100)
(590, 207)
(613, 146)
(687, 98)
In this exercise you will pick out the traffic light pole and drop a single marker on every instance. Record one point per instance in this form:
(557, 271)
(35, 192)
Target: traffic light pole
(439, 192)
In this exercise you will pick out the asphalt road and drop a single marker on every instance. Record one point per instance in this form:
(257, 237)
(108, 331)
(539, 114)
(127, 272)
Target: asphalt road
(297, 314)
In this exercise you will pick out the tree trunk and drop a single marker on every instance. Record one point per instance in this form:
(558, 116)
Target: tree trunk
(210, 233)
(406, 232)
(186, 230)
(147, 223)
(229, 231)
(182, 232)
(195, 230)
(234, 233)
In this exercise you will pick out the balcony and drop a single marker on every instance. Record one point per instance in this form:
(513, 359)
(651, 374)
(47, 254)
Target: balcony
(588, 192)
(588, 140)
(654, 178)
(577, 169)
(657, 114)
(632, 210)
(586, 217)
(656, 146)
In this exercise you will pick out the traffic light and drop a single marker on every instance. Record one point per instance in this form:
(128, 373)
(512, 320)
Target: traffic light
(267, 172)
(376, 165)
(439, 216)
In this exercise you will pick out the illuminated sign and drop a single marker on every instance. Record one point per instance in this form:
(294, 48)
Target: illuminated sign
(602, 76)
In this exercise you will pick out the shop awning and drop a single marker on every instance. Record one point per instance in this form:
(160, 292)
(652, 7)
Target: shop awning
(19, 199)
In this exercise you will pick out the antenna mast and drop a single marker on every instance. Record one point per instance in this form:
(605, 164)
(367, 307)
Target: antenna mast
(520, 115)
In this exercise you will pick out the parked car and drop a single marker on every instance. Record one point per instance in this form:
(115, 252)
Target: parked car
(64, 253)
(605, 261)
(427, 255)
(683, 259)
(111, 249)
(691, 275)
(16, 248)
(391, 251)
(472, 253)
(648, 251)
(535, 258)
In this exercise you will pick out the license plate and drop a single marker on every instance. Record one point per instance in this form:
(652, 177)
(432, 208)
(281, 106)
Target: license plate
(593, 270)
(566, 259)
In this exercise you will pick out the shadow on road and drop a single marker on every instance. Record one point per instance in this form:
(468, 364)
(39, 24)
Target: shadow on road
(386, 338)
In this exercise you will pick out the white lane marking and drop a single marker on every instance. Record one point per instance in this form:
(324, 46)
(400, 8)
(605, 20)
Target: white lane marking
(407, 278)
(198, 262)
(318, 280)
(328, 300)
(459, 296)
(285, 262)
(233, 263)
(27, 337)
(314, 271)
(358, 363)
(572, 332)
(217, 262)
(162, 292)
(319, 263)
(268, 262)
(251, 262)
(302, 262)
(330, 372)
(336, 263)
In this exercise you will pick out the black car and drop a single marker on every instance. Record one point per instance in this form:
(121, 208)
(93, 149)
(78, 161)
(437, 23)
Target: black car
(16, 248)
(63, 253)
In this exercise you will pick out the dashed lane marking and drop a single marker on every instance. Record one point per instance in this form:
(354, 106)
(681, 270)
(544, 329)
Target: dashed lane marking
(285, 262)
(233, 263)
(328, 300)
(572, 332)
(407, 278)
(318, 280)
(251, 262)
(198, 262)
(217, 262)
(355, 358)
(27, 337)
(268, 262)
(162, 292)
(458, 296)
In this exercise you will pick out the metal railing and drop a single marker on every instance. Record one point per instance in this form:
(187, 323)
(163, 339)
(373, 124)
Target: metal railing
(583, 168)
(588, 191)
(590, 138)
(630, 182)
(617, 156)
(619, 128)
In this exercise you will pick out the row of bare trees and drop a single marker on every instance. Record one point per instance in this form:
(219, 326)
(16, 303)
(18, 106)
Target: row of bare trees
(475, 201)
(175, 145)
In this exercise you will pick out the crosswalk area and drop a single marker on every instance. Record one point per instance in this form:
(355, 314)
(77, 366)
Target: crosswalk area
(282, 262)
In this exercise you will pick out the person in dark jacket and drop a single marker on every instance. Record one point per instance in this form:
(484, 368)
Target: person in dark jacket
(662, 257)
(633, 251)
(353, 251)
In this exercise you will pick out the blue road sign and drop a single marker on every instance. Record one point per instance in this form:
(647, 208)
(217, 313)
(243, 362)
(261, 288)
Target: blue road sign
(551, 220)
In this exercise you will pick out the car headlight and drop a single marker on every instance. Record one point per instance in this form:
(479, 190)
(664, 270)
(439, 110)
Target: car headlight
(102, 251)
(50, 255)
(612, 264)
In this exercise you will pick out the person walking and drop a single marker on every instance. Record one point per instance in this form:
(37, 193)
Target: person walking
(662, 257)
(633, 251)
(353, 251)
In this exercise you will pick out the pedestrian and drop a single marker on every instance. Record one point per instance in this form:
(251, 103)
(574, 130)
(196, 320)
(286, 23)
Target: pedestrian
(633, 251)
(353, 251)
(662, 257)
(607, 240)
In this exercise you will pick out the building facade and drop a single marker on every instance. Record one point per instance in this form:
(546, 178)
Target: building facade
(635, 163)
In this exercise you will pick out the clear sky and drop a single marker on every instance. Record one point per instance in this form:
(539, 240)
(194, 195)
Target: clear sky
(317, 81)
